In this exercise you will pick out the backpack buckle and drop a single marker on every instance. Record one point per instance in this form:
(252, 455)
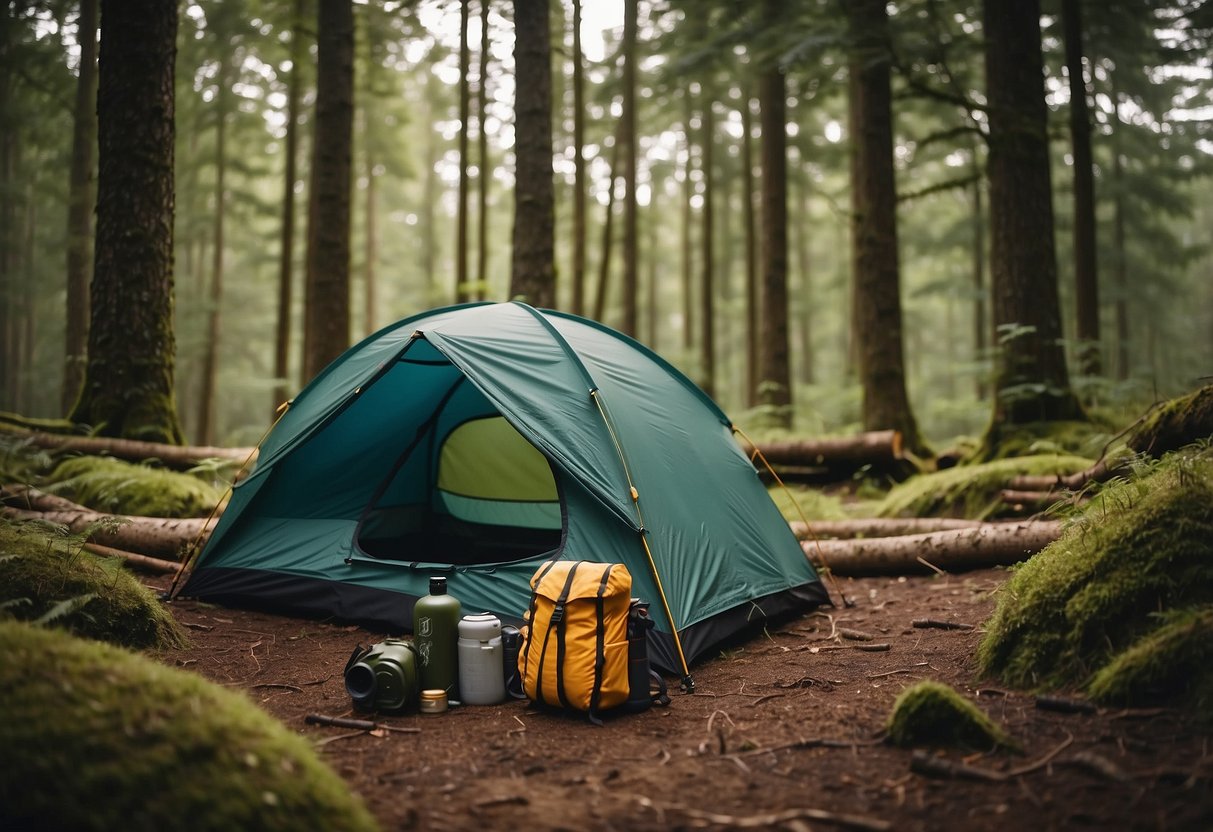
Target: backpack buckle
(557, 613)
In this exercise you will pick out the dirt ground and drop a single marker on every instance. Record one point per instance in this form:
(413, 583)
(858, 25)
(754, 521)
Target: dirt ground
(783, 732)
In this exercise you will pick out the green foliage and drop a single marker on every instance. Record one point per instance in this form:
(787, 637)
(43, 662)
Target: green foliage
(969, 491)
(1175, 423)
(1172, 664)
(135, 745)
(111, 485)
(933, 714)
(1060, 437)
(47, 578)
(815, 504)
(1141, 546)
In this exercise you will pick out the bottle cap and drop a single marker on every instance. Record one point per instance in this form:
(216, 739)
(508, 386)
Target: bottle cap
(437, 585)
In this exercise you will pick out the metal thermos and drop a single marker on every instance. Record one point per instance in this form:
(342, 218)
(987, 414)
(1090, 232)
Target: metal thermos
(435, 635)
(480, 680)
(639, 625)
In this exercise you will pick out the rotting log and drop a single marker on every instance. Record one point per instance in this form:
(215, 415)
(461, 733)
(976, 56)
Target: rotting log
(164, 567)
(1099, 472)
(991, 544)
(872, 448)
(157, 536)
(172, 456)
(878, 527)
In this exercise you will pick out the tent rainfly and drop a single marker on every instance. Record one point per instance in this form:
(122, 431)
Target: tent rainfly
(480, 440)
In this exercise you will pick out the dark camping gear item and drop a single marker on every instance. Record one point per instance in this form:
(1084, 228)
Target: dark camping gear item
(382, 677)
(435, 634)
(511, 643)
(641, 677)
(480, 681)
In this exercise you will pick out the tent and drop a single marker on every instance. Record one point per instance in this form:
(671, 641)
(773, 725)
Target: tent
(480, 440)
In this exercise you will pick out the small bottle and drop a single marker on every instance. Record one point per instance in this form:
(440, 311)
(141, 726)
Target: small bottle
(436, 637)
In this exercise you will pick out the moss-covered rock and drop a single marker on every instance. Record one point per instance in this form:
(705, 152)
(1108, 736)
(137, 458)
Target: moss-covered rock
(111, 485)
(1141, 546)
(969, 491)
(111, 740)
(1175, 423)
(933, 714)
(46, 576)
(1173, 664)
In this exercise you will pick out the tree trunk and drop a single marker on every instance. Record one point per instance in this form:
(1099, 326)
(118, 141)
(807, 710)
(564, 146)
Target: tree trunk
(875, 448)
(804, 261)
(164, 567)
(776, 384)
(486, 167)
(631, 247)
(462, 284)
(608, 226)
(210, 359)
(286, 245)
(980, 327)
(1086, 278)
(1032, 383)
(876, 270)
(326, 333)
(532, 272)
(752, 341)
(128, 386)
(688, 265)
(992, 544)
(579, 183)
(651, 270)
(1120, 257)
(430, 188)
(80, 206)
(146, 535)
(173, 456)
(8, 207)
(707, 288)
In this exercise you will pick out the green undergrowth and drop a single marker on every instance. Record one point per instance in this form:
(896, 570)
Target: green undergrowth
(815, 503)
(1142, 546)
(112, 740)
(1175, 423)
(111, 485)
(933, 714)
(1077, 438)
(969, 491)
(1174, 663)
(46, 577)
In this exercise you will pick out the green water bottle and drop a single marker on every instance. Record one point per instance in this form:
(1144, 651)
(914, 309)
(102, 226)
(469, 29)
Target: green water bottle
(436, 637)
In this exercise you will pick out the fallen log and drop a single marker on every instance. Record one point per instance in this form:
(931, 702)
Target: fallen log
(875, 447)
(158, 536)
(165, 567)
(878, 527)
(173, 456)
(1099, 472)
(991, 544)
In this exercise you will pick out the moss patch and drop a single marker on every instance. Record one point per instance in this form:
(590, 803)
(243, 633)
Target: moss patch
(969, 491)
(1173, 664)
(46, 576)
(115, 741)
(815, 504)
(111, 485)
(1081, 438)
(1175, 423)
(933, 714)
(1139, 547)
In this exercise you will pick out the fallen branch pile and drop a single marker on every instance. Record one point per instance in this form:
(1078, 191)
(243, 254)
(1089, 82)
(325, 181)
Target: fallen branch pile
(173, 456)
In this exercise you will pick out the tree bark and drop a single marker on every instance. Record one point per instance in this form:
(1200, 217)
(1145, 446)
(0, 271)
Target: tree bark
(876, 527)
(210, 359)
(688, 193)
(326, 332)
(462, 284)
(1120, 257)
(804, 262)
(876, 269)
(486, 167)
(579, 183)
(80, 206)
(1086, 276)
(286, 244)
(775, 377)
(707, 283)
(980, 327)
(752, 297)
(174, 456)
(876, 447)
(128, 389)
(608, 237)
(164, 567)
(1032, 383)
(532, 272)
(631, 243)
(993, 544)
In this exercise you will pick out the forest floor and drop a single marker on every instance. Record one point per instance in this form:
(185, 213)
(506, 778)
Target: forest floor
(782, 732)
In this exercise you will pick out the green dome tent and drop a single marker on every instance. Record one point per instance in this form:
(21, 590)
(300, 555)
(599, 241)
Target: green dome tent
(477, 442)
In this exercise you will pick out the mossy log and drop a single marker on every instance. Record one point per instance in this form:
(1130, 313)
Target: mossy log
(878, 527)
(990, 544)
(163, 567)
(875, 447)
(180, 457)
(162, 537)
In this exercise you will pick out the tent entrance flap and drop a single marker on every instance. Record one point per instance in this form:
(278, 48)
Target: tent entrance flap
(467, 489)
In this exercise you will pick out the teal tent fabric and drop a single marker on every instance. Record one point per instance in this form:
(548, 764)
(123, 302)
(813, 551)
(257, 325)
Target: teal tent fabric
(343, 514)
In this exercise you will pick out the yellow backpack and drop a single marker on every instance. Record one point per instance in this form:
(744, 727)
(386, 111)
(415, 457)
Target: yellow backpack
(575, 653)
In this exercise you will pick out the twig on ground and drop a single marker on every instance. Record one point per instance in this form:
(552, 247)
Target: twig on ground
(1065, 705)
(279, 685)
(774, 819)
(936, 624)
(898, 670)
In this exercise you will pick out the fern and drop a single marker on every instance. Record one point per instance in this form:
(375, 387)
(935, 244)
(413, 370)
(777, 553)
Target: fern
(65, 608)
